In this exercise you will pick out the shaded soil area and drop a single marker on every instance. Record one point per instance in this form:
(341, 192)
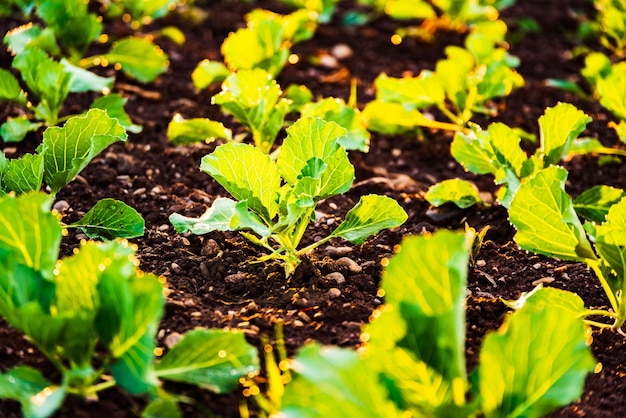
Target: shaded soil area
(212, 278)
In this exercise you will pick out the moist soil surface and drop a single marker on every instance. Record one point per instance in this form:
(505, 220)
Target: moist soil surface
(213, 279)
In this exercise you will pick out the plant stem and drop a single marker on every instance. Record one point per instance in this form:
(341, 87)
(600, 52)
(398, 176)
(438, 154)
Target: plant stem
(605, 285)
(313, 246)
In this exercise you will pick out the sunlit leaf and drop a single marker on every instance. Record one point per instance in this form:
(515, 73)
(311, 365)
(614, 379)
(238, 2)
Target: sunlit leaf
(110, 219)
(460, 192)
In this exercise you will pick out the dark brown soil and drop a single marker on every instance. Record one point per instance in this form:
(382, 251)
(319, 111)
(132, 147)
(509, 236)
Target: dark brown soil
(214, 283)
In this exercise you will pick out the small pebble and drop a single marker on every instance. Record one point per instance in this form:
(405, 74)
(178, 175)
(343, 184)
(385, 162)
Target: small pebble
(139, 191)
(61, 206)
(304, 317)
(204, 269)
(175, 268)
(537, 266)
(337, 277)
(481, 263)
(328, 61)
(172, 339)
(235, 278)
(543, 280)
(338, 251)
(350, 264)
(333, 292)
(341, 51)
(164, 227)
(298, 323)
(210, 248)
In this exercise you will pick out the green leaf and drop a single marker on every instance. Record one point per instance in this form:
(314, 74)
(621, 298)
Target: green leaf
(29, 232)
(162, 407)
(208, 72)
(38, 397)
(47, 79)
(612, 90)
(210, 359)
(335, 110)
(426, 281)
(16, 129)
(372, 214)
(30, 35)
(223, 215)
(113, 104)
(545, 218)
(594, 203)
(559, 127)
(311, 138)
(392, 118)
(331, 381)
(259, 47)
(411, 92)
(181, 131)
(110, 219)
(131, 304)
(460, 192)
(253, 98)
(10, 89)
(69, 149)
(24, 174)
(83, 80)
(611, 244)
(134, 370)
(530, 374)
(541, 296)
(139, 58)
(247, 174)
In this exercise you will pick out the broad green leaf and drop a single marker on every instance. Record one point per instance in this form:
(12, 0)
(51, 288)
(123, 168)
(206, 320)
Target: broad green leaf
(10, 89)
(153, 9)
(30, 232)
(130, 303)
(253, 98)
(113, 104)
(47, 79)
(331, 381)
(299, 95)
(210, 359)
(612, 91)
(559, 127)
(409, 9)
(426, 282)
(72, 24)
(110, 219)
(39, 398)
(505, 143)
(411, 92)
(474, 152)
(139, 58)
(223, 215)
(247, 174)
(460, 192)
(530, 374)
(208, 72)
(545, 218)
(30, 35)
(392, 118)
(540, 296)
(298, 26)
(83, 80)
(335, 110)
(16, 129)
(24, 174)
(611, 242)
(68, 149)
(594, 203)
(134, 370)
(260, 47)
(314, 138)
(584, 146)
(372, 214)
(181, 131)
(162, 407)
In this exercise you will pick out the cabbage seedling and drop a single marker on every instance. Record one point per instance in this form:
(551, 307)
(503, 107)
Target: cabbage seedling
(276, 200)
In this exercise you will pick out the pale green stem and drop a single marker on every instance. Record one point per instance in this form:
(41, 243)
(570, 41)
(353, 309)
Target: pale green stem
(457, 122)
(598, 324)
(601, 312)
(605, 285)
(314, 245)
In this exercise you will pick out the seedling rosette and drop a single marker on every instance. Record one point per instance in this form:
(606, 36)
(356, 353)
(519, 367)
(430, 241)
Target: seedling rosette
(276, 200)
(95, 316)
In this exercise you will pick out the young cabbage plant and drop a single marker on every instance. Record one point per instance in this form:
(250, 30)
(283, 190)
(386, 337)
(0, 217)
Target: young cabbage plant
(439, 14)
(547, 223)
(497, 150)
(276, 200)
(608, 82)
(610, 25)
(63, 154)
(68, 30)
(412, 361)
(95, 316)
(256, 100)
(265, 43)
(464, 83)
(50, 82)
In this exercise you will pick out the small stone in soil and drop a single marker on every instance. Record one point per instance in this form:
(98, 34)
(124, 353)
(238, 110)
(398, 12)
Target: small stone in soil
(61, 206)
(350, 264)
(235, 278)
(336, 276)
(338, 251)
(341, 51)
(172, 339)
(176, 268)
(210, 248)
(333, 292)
